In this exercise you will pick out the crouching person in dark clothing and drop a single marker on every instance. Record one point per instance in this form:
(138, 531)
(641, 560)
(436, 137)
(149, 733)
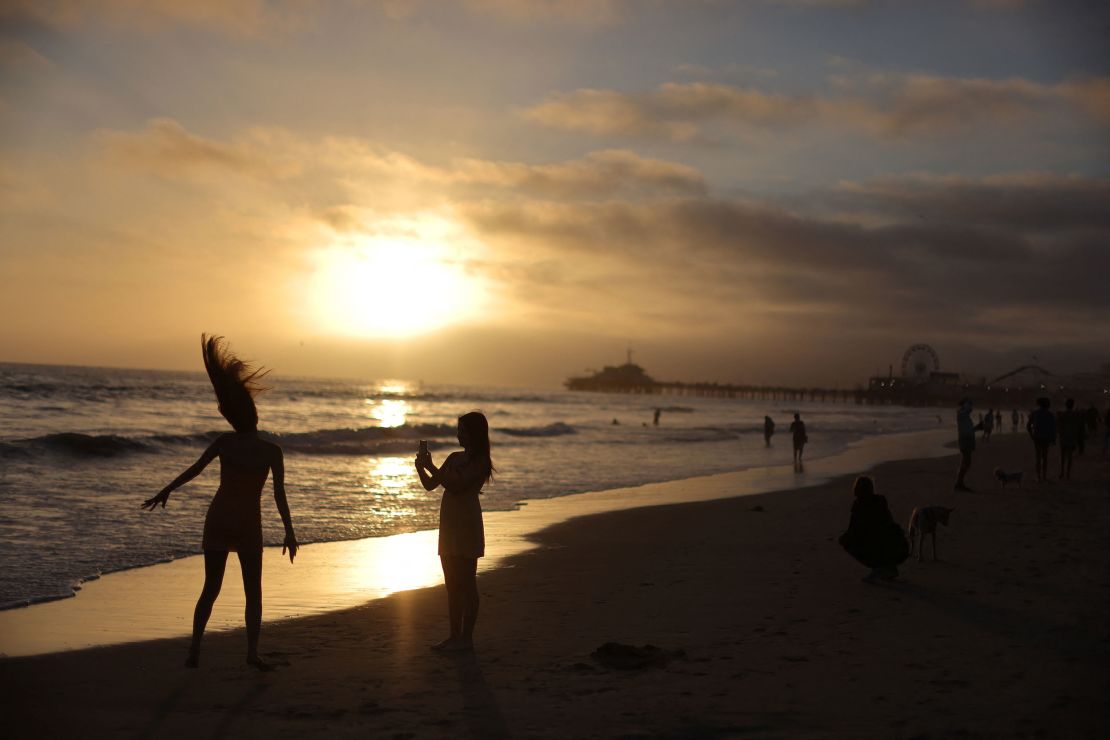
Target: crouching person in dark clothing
(873, 537)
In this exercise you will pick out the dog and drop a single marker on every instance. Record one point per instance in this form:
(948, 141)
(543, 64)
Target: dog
(1005, 478)
(923, 521)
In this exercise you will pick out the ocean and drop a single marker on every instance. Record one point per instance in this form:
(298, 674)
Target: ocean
(82, 447)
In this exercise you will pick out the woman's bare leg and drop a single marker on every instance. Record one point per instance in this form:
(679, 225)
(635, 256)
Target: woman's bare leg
(214, 563)
(468, 586)
(251, 564)
(454, 602)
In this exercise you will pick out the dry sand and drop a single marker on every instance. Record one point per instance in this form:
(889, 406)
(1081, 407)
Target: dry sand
(1008, 635)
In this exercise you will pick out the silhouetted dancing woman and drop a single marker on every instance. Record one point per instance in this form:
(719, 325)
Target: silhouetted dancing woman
(234, 519)
(462, 537)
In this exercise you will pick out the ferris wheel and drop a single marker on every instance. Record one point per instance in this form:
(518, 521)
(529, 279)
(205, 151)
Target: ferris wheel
(919, 361)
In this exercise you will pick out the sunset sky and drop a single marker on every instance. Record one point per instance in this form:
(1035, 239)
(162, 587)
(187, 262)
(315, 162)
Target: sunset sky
(511, 191)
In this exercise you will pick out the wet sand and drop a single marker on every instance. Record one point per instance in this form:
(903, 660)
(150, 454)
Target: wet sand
(157, 601)
(772, 633)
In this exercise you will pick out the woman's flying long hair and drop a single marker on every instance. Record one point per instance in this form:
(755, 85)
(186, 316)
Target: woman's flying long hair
(477, 432)
(234, 381)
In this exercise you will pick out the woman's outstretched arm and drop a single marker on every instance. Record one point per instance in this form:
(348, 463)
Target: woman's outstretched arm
(277, 467)
(191, 472)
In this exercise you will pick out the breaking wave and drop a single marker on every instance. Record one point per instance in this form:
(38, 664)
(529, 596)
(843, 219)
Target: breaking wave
(367, 440)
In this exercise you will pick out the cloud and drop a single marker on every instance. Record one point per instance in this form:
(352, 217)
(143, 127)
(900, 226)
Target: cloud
(231, 17)
(599, 174)
(166, 148)
(347, 183)
(926, 104)
(610, 113)
(258, 18)
(879, 104)
(579, 12)
(1090, 95)
(1034, 203)
(1030, 267)
(20, 57)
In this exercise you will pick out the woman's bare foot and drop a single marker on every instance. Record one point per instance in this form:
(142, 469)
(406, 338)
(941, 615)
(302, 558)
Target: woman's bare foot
(443, 644)
(259, 664)
(192, 660)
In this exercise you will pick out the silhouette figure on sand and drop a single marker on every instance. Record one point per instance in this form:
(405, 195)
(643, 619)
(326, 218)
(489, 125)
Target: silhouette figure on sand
(873, 537)
(234, 519)
(965, 434)
(768, 430)
(1072, 432)
(462, 537)
(1042, 430)
(798, 432)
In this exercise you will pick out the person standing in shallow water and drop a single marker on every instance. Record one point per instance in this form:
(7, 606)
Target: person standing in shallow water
(462, 537)
(798, 433)
(768, 430)
(234, 519)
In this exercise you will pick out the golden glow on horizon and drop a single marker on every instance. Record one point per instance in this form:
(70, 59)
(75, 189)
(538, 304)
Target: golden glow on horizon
(391, 285)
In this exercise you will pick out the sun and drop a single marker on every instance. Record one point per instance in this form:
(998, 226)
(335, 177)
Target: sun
(399, 283)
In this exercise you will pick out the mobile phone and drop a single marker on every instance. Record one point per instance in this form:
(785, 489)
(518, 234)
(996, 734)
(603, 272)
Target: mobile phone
(423, 447)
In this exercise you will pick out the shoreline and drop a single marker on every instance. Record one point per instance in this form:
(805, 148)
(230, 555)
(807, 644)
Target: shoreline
(347, 573)
(77, 583)
(770, 632)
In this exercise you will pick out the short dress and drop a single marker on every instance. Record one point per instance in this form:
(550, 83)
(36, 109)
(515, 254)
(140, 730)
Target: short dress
(234, 519)
(461, 531)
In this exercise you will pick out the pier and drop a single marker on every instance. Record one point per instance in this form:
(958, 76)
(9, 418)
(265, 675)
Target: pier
(921, 384)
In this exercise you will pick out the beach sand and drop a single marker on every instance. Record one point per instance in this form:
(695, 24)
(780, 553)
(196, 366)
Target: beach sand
(771, 631)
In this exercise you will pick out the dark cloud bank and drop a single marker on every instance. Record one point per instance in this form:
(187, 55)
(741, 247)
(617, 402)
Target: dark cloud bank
(995, 269)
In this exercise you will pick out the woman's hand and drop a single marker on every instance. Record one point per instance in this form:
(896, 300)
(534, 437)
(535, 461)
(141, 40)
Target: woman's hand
(151, 503)
(291, 545)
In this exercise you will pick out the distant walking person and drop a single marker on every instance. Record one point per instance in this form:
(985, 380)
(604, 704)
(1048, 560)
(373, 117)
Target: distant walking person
(1042, 430)
(988, 424)
(873, 537)
(965, 433)
(462, 538)
(998, 420)
(798, 433)
(768, 430)
(655, 419)
(234, 519)
(1070, 428)
(1015, 417)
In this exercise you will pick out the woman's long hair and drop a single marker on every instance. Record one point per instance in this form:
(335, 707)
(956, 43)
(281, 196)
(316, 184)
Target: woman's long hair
(234, 381)
(477, 433)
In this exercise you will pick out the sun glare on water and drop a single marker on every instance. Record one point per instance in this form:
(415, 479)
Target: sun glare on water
(391, 286)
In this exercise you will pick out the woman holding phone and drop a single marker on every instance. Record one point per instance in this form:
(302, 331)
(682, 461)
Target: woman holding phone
(461, 533)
